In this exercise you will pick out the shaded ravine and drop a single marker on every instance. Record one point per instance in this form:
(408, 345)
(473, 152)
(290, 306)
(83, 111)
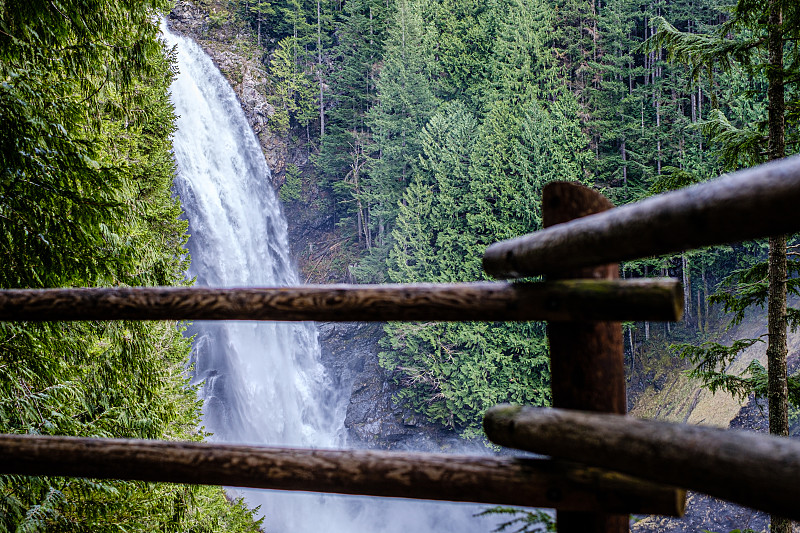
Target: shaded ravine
(263, 383)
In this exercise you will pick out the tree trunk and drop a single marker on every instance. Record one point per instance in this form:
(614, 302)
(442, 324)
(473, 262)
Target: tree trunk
(687, 287)
(776, 308)
(658, 130)
(319, 72)
(623, 150)
(700, 105)
(776, 350)
(705, 299)
(699, 310)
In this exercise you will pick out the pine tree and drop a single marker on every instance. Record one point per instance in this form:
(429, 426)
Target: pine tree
(453, 372)
(405, 102)
(293, 90)
(361, 32)
(475, 184)
(759, 36)
(262, 11)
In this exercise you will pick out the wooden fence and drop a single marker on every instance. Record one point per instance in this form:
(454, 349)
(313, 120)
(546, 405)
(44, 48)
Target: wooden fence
(605, 465)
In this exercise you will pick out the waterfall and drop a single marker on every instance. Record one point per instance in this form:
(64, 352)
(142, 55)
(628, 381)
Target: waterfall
(263, 383)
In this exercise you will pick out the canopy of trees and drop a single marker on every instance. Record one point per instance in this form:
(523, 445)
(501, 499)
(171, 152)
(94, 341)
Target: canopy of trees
(440, 120)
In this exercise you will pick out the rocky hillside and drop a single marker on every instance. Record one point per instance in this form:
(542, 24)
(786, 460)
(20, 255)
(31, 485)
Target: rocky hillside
(671, 395)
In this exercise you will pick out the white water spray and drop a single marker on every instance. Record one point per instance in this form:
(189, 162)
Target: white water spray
(262, 383)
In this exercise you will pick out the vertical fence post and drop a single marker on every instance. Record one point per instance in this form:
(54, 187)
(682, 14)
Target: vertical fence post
(586, 358)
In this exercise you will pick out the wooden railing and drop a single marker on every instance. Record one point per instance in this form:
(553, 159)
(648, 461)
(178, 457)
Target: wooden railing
(605, 466)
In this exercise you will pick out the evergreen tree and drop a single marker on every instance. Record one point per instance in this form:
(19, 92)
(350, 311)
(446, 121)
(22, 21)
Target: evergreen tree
(85, 173)
(405, 103)
(452, 372)
(361, 32)
(261, 11)
(462, 32)
(760, 35)
(293, 92)
(466, 195)
(522, 65)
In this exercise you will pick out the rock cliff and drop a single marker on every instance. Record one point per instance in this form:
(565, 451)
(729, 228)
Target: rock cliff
(230, 47)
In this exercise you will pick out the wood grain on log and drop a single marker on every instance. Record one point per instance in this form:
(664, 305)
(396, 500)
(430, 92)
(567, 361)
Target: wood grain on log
(586, 360)
(498, 480)
(751, 469)
(748, 204)
(568, 300)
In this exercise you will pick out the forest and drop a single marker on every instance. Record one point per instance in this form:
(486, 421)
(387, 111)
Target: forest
(433, 126)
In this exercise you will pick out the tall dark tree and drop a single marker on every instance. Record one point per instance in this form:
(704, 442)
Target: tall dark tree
(361, 31)
(760, 35)
(405, 102)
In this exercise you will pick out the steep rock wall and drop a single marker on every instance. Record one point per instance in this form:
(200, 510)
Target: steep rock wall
(231, 50)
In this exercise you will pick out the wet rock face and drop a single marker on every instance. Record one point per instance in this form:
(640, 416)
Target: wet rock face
(188, 18)
(229, 48)
(373, 420)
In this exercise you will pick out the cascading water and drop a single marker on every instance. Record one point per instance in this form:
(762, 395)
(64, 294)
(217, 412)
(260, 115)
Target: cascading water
(262, 383)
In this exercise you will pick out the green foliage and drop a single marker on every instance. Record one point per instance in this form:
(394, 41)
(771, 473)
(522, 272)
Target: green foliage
(672, 179)
(209, 511)
(361, 30)
(737, 145)
(293, 186)
(739, 45)
(711, 360)
(293, 93)
(466, 195)
(739, 292)
(218, 19)
(405, 104)
(748, 287)
(524, 521)
(85, 200)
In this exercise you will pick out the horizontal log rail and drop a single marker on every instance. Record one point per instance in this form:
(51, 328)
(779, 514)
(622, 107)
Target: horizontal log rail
(652, 299)
(749, 204)
(496, 480)
(751, 469)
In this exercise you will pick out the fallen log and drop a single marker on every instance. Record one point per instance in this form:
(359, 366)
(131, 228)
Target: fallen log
(751, 469)
(651, 299)
(752, 203)
(497, 480)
